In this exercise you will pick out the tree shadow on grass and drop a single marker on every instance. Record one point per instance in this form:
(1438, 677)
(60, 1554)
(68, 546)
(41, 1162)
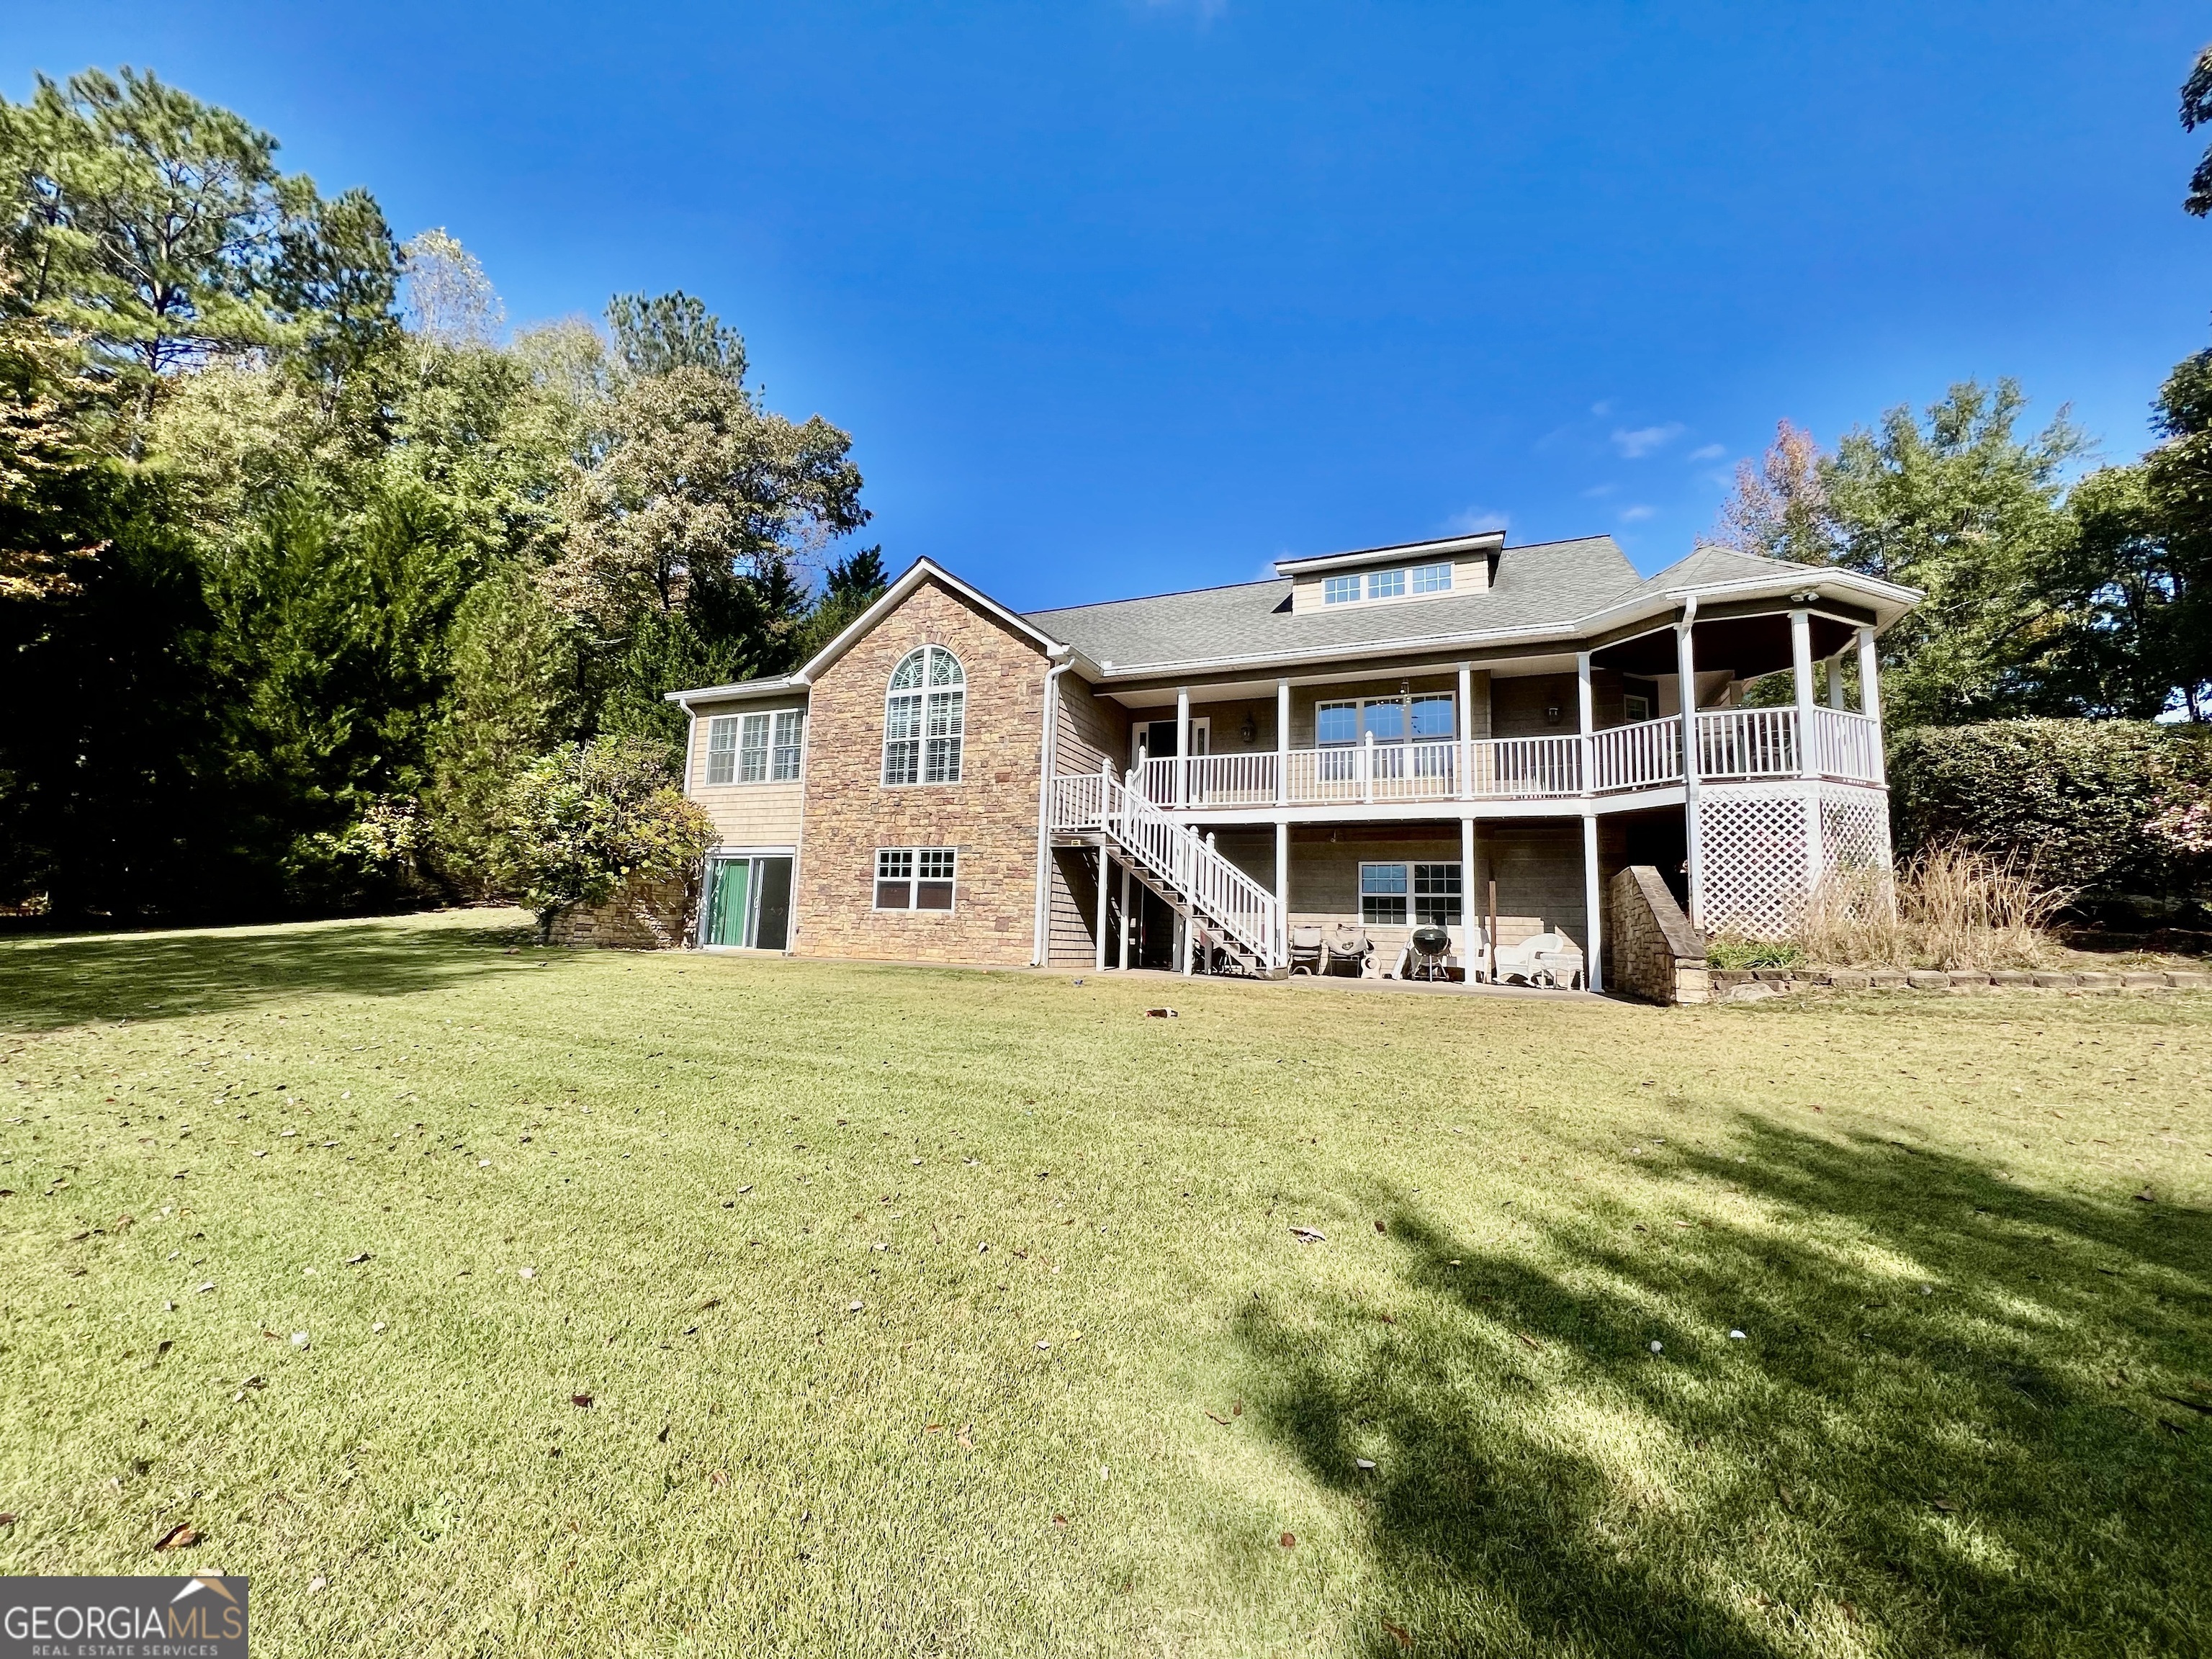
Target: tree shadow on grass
(1994, 1465)
(48, 984)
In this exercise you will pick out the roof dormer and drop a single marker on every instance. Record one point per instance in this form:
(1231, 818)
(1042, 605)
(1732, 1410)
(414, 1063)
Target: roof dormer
(1404, 574)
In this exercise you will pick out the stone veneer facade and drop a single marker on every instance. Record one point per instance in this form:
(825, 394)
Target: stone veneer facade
(1651, 949)
(990, 815)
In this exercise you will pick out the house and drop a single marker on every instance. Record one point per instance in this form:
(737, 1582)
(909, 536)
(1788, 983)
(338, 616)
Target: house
(1438, 733)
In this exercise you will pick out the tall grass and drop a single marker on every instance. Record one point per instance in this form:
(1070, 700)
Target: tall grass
(1951, 905)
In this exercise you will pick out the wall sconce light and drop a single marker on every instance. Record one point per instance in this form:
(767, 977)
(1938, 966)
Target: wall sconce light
(1249, 731)
(1552, 715)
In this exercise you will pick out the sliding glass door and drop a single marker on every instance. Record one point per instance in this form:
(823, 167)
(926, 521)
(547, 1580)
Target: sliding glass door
(749, 901)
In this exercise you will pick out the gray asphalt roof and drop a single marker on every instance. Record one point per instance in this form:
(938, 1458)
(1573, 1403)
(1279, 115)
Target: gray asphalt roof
(1544, 584)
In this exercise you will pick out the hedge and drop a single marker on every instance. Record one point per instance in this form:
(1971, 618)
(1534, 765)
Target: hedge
(2076, 795)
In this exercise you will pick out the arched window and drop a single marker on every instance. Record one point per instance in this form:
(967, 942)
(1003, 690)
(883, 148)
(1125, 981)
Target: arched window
(924, 716)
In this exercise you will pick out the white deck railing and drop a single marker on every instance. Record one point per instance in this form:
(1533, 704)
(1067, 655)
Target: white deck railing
(1732, 744)
(1221, 894)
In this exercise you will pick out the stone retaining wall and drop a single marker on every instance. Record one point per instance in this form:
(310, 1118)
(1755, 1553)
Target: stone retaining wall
(1651, 949)
(1752, 984)
(642, 916)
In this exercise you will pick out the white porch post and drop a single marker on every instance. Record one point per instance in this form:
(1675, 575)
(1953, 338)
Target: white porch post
(1125, 912)
(1367, 766)
(1470, 929)
(1685, 668)
(1183, 746)
(1586, 717)
(1467, 733)
(1836, 681)
(1801, 666)
(1869, 677)
(1105, 875)
(1282, 743)
(1593, 925)
(1283, 891)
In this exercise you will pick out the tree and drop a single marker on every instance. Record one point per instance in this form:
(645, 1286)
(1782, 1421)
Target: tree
(450, 301)
(1779, 509)
(2177, 479)
(584, 819)
(673, 331)
(2196, 112)
(1958, 504)
(43, 392)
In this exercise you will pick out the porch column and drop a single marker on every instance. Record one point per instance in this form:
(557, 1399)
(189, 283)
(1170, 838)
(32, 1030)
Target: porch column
(1593, 925)
(1105, 875)
(1869, 677)
(1183, 746)
(1800, 667)
(1586, 714)
(1836, 681)
(1283, 891)
(1466, 732)
(1470, 930)
(1282, 743)
(1685, 668)
(1125, 913)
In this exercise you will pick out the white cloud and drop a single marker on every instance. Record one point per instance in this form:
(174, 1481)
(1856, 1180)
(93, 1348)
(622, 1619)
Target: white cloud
(1603, 410)
(1599, 492)
(1638, 443)
(1470, 520)
(1708, 451)
(1638, 514)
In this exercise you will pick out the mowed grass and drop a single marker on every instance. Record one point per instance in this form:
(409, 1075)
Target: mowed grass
(742, 1207)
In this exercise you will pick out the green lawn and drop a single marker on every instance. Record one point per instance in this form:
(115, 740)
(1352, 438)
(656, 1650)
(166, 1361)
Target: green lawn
(740, 1205)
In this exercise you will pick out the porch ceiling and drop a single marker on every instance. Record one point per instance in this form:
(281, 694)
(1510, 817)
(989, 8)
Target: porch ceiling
(1747, 647)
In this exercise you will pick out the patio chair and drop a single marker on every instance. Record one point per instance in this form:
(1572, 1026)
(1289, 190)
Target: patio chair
(1553, 960)
(1348, 943)
(1307, 951)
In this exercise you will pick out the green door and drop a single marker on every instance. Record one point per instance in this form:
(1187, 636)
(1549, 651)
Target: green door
(733, 884)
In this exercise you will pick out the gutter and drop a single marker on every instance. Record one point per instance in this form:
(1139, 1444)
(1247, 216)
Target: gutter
(1047, 761)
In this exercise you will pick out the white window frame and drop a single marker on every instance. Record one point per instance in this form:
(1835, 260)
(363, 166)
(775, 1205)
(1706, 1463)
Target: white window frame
(722, 750)
(1450, 906)
(752, 749)
(786, 749)
(1387, 584)
(1428, 579)
(926, 723)
(1361, 705)
(1340, 589)
(915, 868)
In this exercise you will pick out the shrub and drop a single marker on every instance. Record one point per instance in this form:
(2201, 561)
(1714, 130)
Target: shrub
(583, 820)
(2076, 798)
(1729, 951)
(1953, 906)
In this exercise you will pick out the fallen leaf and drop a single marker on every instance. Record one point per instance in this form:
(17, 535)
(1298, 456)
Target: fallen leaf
(1387, 1319)
(718, 1478)
(1944, 1504)
(178, 1537)
(1364, 1465)
(1380, 1228)
(1160, 1013)
(317, 1585)
(932, 1428)
(711, 1302)
(1530, 1340)
(253, 1382)
(1222, 1420)
(1309, 1235)
(1236, 1410)
(961, 1437)
(663, 1436)
(1399, 1634)
(742, 1191)
(356, 1260)
(1059, 1520)
(1782, 1492)
(2144, 1197)
(1289, 1539)
(8, 1519)
(581, 1401)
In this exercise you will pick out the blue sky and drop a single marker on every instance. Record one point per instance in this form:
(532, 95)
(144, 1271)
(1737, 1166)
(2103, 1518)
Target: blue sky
(1120, 296)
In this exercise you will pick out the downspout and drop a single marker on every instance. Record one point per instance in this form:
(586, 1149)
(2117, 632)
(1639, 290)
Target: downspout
(1048, 762)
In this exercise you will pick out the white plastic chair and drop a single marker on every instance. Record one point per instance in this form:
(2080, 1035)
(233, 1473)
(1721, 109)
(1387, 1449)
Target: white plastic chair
(1547, 959)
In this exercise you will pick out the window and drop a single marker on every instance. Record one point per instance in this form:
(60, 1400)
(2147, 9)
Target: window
(752, 749)
(925, 718)
(1432, 578)
(1392, 719)
(1639, 701)
(783, 753)
(916, 877)
(722, 749)
(1339, 590)
(755, 748)
(1426, 894)
(1432, 717)
(1383, 894)
(1386, 584)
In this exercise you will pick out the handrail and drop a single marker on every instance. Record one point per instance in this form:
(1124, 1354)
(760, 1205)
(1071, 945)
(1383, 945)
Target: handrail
(1215, 887)
(1732, 744)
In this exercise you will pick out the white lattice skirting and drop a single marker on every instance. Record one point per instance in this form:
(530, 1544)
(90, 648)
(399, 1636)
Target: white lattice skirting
(1752, 841)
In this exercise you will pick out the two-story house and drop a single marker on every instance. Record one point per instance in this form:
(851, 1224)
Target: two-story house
(1456, 732)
